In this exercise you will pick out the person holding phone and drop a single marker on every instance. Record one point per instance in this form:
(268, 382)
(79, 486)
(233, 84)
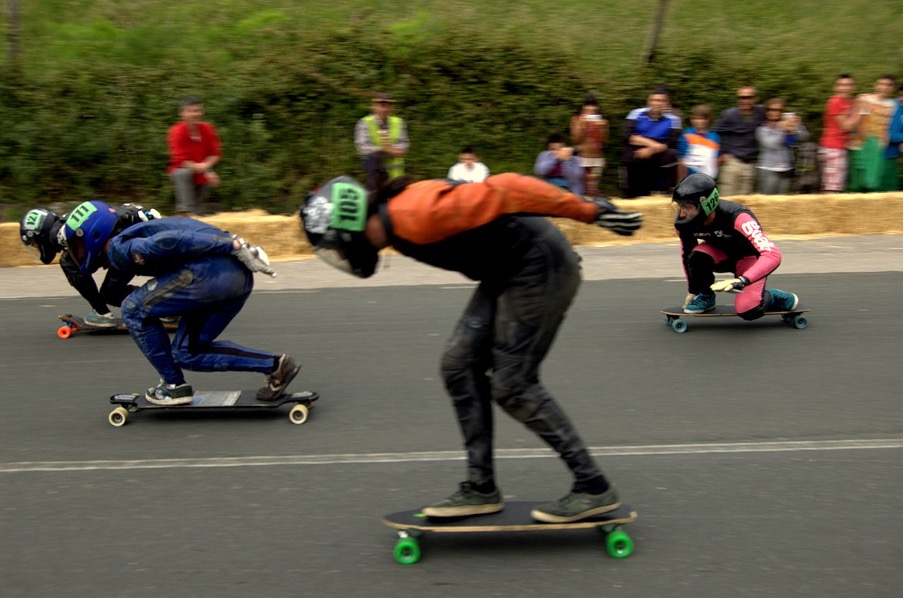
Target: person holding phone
(776, 138)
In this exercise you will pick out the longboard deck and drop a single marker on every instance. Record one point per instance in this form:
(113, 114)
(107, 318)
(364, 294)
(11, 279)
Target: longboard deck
(674, 316)
(516, 517)
(73, 324)
(214, 399)
(725, 311)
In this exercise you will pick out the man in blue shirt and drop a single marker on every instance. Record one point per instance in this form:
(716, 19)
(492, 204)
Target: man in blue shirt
(651, 134)
(737, 128)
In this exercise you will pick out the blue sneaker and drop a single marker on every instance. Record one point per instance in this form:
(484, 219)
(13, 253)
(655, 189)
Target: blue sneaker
(700, 304)
(782, 301)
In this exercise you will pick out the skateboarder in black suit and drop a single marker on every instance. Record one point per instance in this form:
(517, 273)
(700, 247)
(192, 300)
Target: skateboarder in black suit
(492, 232)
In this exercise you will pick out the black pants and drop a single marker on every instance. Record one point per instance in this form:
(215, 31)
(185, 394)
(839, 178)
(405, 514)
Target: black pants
(495, 352)
(114, 289)
(656, 173)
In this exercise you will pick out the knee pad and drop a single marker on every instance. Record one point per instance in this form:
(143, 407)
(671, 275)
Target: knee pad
(452, 368)
(759, 310)
(700, 260)
(131, 309)
(700, 267)
(752, 314)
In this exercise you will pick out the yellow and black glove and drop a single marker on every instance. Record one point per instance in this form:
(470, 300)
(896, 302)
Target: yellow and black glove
(732, 285)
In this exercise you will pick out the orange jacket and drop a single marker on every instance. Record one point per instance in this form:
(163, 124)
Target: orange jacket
(430, 211)
(483, 230)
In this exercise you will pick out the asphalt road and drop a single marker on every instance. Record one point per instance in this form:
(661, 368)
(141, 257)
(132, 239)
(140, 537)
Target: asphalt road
(763, 460)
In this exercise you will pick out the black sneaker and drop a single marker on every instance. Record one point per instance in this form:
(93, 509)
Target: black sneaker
(170, 394)
(279, 379)
(466, 502)
(575, 506)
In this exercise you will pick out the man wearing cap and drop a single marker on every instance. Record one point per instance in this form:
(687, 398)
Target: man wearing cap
(382, 142)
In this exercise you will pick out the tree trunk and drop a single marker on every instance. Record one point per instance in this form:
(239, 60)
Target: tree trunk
(12, 34)
(657, 29)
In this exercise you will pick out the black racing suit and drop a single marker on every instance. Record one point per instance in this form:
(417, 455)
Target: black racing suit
(529, 275)
(115, 286)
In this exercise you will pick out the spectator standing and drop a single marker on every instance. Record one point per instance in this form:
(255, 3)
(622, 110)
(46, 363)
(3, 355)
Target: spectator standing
(737, 129)
(776, 137)
(382, 142)
(869, 140)
(838, 120)
(559, 166)
(651, 134)
(589, 134)
(194, 149)
(469, 167)
(698, 147)
(891, 177)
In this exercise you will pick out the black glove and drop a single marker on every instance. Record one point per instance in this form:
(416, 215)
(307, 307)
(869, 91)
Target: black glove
(618, 221)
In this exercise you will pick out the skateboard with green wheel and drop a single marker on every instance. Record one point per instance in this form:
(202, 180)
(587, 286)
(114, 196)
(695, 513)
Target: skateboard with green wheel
(214, 399)
(516, 517)
(675, 316)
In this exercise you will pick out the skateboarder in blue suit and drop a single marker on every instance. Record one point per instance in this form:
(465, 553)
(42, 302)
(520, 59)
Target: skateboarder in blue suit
(200, 273)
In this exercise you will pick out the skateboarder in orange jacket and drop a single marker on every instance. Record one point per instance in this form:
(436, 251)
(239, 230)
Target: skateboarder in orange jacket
(725, 237)
(492, 232)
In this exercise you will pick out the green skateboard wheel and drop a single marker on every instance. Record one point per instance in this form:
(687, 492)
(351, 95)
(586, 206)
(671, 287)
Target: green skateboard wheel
(407, 551)
(619, 545)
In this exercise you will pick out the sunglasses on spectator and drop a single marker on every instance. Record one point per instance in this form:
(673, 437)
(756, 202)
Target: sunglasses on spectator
(746, 97)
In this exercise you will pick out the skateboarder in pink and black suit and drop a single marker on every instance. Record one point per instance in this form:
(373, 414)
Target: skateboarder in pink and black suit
(725, 236)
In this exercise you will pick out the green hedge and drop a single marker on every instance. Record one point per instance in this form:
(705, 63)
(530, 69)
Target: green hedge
(86, 110)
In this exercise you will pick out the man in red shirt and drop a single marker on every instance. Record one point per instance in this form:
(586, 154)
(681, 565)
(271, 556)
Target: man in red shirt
(194, 149)
(839, 119)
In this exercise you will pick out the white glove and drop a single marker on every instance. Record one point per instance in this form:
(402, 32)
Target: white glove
(145, 215)
(253, 257)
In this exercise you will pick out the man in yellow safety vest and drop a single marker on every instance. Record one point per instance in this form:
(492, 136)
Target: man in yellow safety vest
(382, 142)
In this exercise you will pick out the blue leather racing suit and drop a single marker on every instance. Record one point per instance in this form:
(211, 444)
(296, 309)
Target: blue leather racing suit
(196, 277)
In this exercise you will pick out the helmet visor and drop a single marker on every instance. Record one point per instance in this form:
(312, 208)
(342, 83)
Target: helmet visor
(685, 211)
(335, 258)
(34, 251)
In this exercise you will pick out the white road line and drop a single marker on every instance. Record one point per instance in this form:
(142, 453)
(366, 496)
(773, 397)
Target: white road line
(340, 459)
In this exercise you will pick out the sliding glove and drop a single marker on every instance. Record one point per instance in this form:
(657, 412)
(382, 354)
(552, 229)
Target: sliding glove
(145, 215)
(253, 257)
(618, 221)
(732, 285)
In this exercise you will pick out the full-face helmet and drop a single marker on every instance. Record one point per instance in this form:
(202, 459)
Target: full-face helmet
(333, 218)
(699, 197)
(38, 230)
(88, 228)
